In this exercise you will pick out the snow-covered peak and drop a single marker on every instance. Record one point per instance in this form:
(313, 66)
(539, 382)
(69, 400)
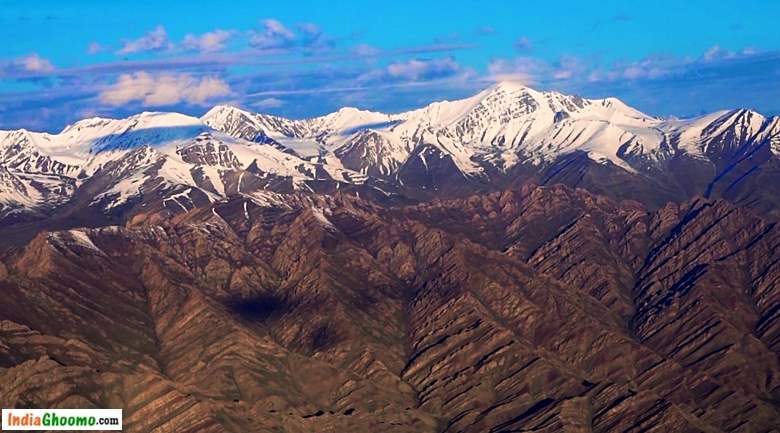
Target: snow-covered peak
(39, 152)
(499, 104)
(253, 126)
(350, 111)
(224, 110)
(504, 123)
(507, 91)
(442, 113)
(718, 132)
(84, 146)
(745, 122)
(144, 129)
(221, 117)
(510, 92)
(89, 123)
(19, 136)
(155, 119)
(510, 86)
(772, 133)
(348, 119)
(490, 132)
(232, 120)
(94, 127)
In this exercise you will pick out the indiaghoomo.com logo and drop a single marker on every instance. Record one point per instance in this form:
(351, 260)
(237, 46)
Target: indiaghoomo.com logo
(62, 419)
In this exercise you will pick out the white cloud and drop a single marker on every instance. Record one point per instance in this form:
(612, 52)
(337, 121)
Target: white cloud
(531, 71)
(208, 42)
(273, 35)
(570, 69)
(524, 70)
(749, 51)
(314, 39)
(276, 27)
(34, 63)
(365, 50)
(647, 68)
(269, 103)
(714, 52)
(155, 40)
(163, 89)
(307, 37)
(423, 69)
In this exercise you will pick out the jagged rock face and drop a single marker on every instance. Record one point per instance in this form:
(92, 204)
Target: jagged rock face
(19, 152)
(370, 153)
(532, 309)
(207, 151)
(10, 182)
(431, 171)
(250, 126)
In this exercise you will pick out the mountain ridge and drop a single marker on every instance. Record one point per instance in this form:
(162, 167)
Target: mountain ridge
(503, 135)
(514, 261)
(544, 309)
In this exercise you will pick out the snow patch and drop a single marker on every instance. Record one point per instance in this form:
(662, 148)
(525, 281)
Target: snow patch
(319, 214)
(82, 239)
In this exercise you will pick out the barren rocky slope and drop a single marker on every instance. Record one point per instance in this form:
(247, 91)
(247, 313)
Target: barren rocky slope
(542, 309)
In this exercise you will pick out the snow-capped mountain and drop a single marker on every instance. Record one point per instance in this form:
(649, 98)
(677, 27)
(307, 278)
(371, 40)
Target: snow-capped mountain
(149, 155)
(502, 126)
(507, 133)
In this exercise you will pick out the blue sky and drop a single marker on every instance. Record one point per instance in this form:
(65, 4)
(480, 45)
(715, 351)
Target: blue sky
(62, 61)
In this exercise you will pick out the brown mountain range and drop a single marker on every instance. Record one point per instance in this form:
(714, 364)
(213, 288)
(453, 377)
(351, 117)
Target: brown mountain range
(536, 308)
